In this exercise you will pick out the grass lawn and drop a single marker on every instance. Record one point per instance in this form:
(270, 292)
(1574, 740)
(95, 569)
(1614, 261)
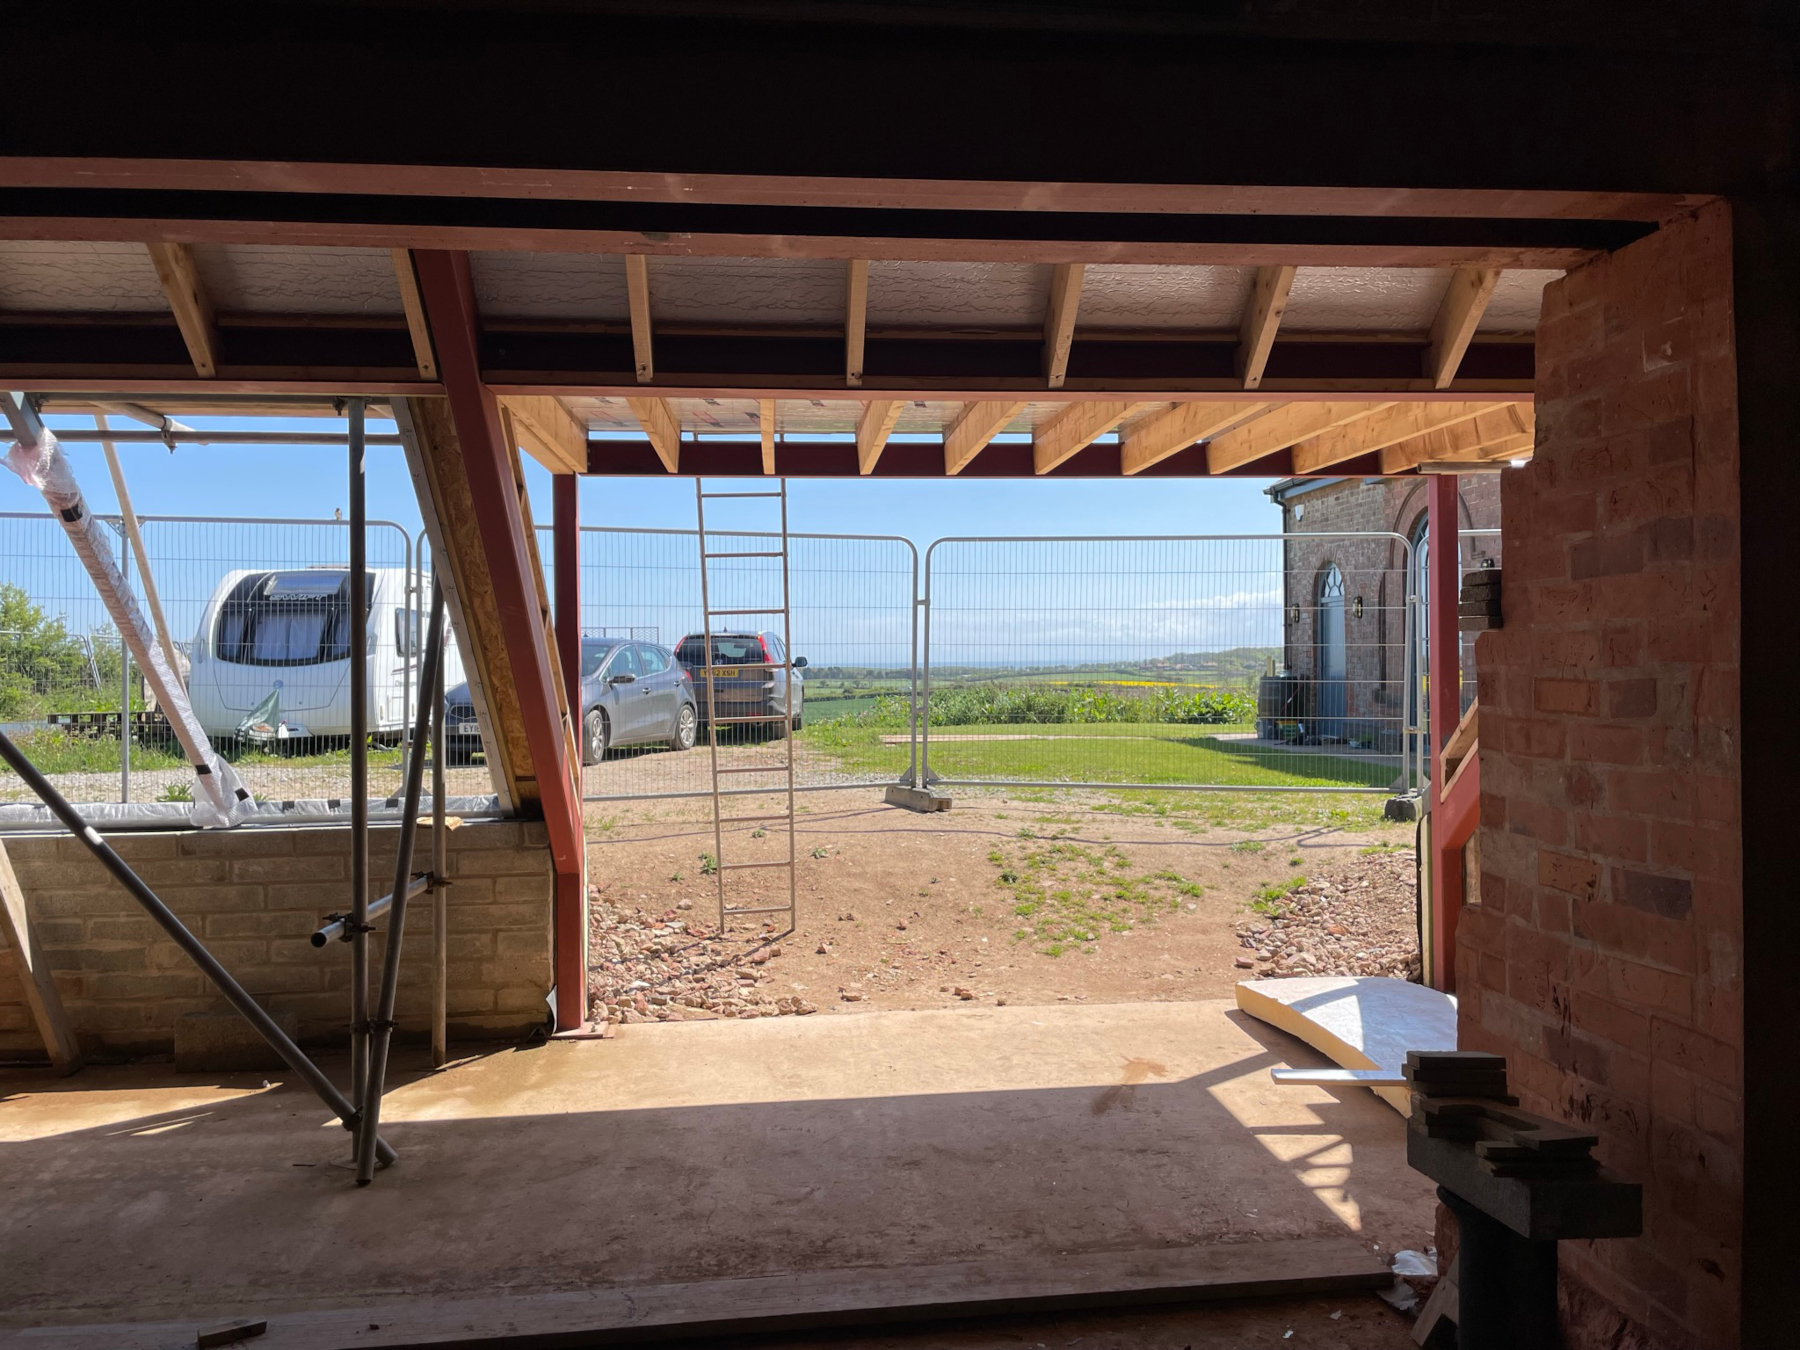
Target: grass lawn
(1111, 752)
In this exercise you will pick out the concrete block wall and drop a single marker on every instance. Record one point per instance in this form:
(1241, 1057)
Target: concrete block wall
(256, 894)
(1604, 956)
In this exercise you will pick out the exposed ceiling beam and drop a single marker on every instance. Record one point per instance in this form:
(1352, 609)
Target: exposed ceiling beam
(416, 326)
(637, 289)
(658, 420)
(548, 432)
(1454, 327)
(856, 319)
(765, 421)
(1464, 440)
(1390, 426)
(1262, 316)
(978, 424)
(174, 265)
(1059, 320)
(1074, 429)
(873, 428)
(1286, 425)
(1156, 438)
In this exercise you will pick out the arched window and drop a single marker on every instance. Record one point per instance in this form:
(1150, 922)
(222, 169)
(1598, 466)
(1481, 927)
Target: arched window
(1334, 656)
(1421, 582)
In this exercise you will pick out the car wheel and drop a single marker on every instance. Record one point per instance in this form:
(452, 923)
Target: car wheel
(594, 735)
(687, 728)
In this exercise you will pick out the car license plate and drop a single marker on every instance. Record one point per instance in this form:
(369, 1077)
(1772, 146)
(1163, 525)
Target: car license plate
(724, 672)
(469, 728)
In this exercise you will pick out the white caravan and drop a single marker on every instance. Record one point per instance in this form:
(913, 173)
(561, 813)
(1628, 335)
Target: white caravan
(271, 658)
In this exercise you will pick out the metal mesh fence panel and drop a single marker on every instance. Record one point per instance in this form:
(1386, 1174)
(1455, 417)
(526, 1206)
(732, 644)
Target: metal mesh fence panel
(853, 604)
(1248, 662)
(257, 609)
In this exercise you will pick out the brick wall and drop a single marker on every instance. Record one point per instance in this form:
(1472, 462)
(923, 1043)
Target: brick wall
(255, 895)
(1603, 957)
(1373, 569)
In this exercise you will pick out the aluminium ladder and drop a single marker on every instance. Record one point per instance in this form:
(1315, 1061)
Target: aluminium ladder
(723, 866)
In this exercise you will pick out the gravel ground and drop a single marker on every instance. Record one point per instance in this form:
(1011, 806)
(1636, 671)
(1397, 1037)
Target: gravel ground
(900, 910)
(1354, 917)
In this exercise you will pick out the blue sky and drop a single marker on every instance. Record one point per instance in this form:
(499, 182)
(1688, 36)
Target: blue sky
(291, 481)
(852, 602)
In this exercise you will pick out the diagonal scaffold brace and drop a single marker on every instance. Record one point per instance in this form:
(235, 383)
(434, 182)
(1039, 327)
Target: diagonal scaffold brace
(165, 918)
(381, 1025)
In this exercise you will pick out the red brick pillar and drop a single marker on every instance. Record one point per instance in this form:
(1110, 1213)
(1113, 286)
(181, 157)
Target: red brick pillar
(1604, 957)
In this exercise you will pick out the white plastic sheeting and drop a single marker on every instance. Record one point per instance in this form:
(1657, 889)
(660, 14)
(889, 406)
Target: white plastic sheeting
(220, 800)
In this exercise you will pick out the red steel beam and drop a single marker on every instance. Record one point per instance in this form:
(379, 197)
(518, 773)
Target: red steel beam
(448, 292)
(1445, 646)
(565, 552)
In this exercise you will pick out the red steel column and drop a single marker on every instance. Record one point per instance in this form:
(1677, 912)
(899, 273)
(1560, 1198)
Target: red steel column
(1444, 587)
(566, 558)
(448, 292)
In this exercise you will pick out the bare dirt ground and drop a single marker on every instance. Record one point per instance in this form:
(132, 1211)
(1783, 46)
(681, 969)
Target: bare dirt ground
(999, 900)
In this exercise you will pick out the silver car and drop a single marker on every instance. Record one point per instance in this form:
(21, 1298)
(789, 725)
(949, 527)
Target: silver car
(632, 693)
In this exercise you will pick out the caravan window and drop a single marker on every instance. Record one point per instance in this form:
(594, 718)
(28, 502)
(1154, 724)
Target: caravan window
(288, 619)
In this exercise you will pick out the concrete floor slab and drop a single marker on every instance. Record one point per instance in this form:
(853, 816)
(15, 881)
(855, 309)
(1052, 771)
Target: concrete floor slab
(691, 1151)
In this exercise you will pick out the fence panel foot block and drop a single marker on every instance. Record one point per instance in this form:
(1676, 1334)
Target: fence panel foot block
(817, 1298)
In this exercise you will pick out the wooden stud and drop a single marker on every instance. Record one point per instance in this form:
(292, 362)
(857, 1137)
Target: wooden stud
(180, 279)
(658, 420)
(1059, 321)
(548, 432)
(40, 986)
(1268, 302)
(637, 287)
(1156, 438)
(423, 355)
(856, 319)
(1073, 430)
(1277, 430)
(1454, 327)
(765, 417)
(873, 428)
(1503, 428)
(975, 426)
(1393, 424)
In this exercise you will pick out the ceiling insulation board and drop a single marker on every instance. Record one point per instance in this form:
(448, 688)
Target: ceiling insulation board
(549, 286)
(1518, 296)
(277, 279)
(1121, 296)
(950, 295)
(63, 278)
(1364, 299)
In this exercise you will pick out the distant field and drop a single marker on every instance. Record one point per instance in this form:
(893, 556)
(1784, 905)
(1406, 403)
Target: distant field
(1101, 753)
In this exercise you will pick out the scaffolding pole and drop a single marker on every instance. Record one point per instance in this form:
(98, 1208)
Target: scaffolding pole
(171, 653)
(234, 992)
(382, 1025)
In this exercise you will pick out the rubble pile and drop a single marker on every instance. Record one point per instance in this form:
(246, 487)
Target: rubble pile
(1358, 918)
(664, 967)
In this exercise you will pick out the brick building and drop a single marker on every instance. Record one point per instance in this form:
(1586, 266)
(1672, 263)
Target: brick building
(1345, 634)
